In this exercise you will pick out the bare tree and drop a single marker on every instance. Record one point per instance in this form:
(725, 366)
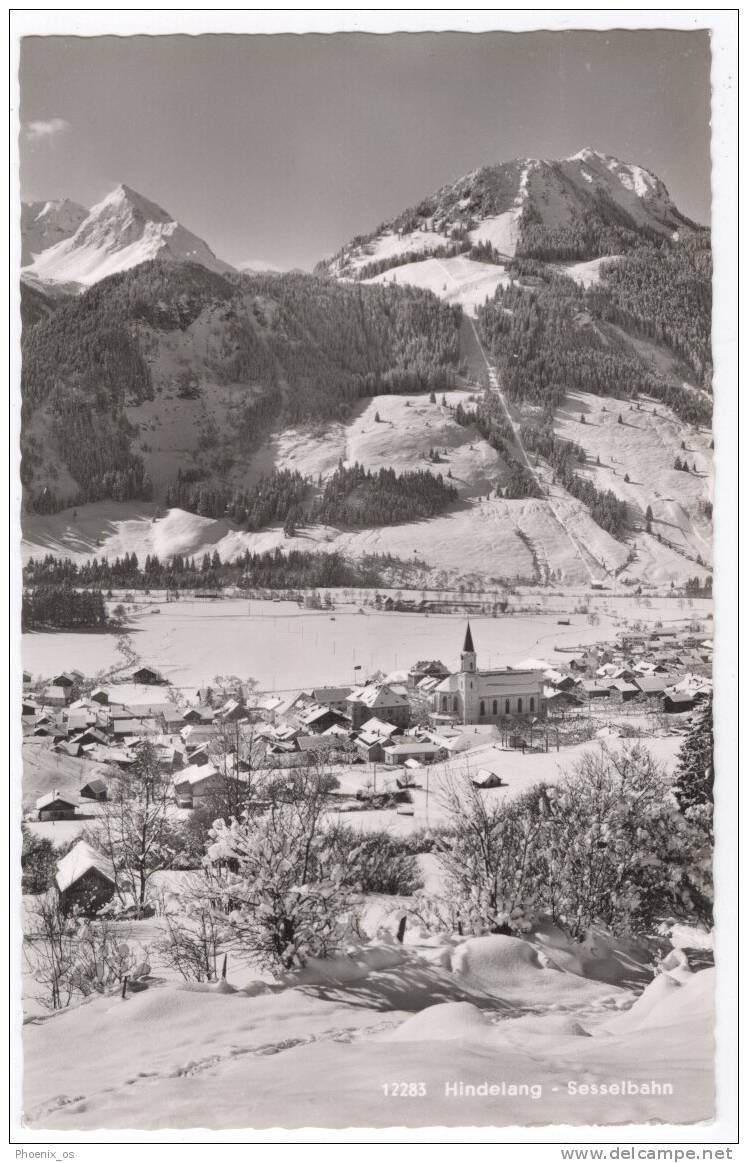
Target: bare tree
(50, 950)
(134, 830)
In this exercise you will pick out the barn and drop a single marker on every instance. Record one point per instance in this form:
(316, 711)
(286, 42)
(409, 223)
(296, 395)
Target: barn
(85, 879)
(56, 806)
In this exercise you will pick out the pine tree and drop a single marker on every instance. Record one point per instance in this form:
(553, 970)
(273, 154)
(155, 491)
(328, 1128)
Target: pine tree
(694, 785)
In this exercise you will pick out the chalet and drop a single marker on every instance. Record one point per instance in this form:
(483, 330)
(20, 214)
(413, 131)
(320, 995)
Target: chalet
(119, 757)
(195, 734)
(653, 686)
(318, 719)
(68, 679)
(560, 700)
(203, 714)
(623, 691)
(56, 806)
(85, 879)
(332, 696)
(676, 702)
(147, 677)
(195, 782)
(378, 700)
(79, 720)
(172, 719)
(370, 749)
(57, 695)
(232, 711)
(121, 728)
(95, 789)
(422, 752)
(485, 779)
(595, 690)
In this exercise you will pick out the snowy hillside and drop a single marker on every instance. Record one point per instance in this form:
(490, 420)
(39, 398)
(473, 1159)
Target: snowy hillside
(44, 224)
(508, 208)
(120, 232)
(526, 1017)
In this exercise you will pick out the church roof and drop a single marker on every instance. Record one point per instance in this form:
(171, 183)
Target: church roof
(468, 645)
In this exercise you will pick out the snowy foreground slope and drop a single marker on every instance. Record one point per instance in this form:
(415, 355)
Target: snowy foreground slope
(533, 1021)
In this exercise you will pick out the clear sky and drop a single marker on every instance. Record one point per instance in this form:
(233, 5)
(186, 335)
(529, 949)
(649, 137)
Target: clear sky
(281, 148)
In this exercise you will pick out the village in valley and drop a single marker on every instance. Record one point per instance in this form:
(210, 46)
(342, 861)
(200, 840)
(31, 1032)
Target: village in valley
(386, 743)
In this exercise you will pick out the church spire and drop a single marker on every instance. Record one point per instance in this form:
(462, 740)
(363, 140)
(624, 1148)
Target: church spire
(468, 659)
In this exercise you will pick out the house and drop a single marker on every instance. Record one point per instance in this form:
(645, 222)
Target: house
(204, 714)
(68, 679)
(57, 695)
(172, 719)
(424, 669)
(332, 696)
(318, 719)
(422, 752)
(85, 878)
(560, 700)
(485, 779)
(95, 789)
(195, 782)
(232, 711)
(675, 702)
(147, 677)
(488, 696)
(622, 690)
(79, 720)
(56, 806)
(370, 750)
(378, 700)
(124, 728)
(653, 686)
(595, 690)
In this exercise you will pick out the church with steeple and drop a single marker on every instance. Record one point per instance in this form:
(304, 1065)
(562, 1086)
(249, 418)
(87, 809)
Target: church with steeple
(488, 696)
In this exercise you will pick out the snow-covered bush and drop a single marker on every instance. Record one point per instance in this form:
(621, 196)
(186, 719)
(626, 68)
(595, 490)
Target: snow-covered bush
(614, 847)
(283, 890)
(489, 860)
(375, 862)
(607, 845)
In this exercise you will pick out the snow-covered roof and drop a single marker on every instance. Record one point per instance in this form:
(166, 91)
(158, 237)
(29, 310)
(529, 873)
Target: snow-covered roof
(378, 695)
(375, 728)
(194, 774)
(79, 860)
(55, 796)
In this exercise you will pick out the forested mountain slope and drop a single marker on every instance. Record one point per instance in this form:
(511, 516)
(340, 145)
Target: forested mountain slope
(219, 362)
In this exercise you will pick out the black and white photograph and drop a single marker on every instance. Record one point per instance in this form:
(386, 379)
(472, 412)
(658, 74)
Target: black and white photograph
(373, 450)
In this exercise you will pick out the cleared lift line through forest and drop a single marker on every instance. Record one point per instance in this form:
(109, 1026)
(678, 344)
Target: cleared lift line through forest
(494, 384)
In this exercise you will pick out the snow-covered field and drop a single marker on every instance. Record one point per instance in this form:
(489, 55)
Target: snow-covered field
(543, 1024)
(192, 641)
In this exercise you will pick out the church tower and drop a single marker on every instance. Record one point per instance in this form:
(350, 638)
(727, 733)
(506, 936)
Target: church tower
(468, 660)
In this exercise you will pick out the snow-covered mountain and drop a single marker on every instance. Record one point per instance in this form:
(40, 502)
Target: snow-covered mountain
(44, 224)
(581, 207)
(120, 232)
